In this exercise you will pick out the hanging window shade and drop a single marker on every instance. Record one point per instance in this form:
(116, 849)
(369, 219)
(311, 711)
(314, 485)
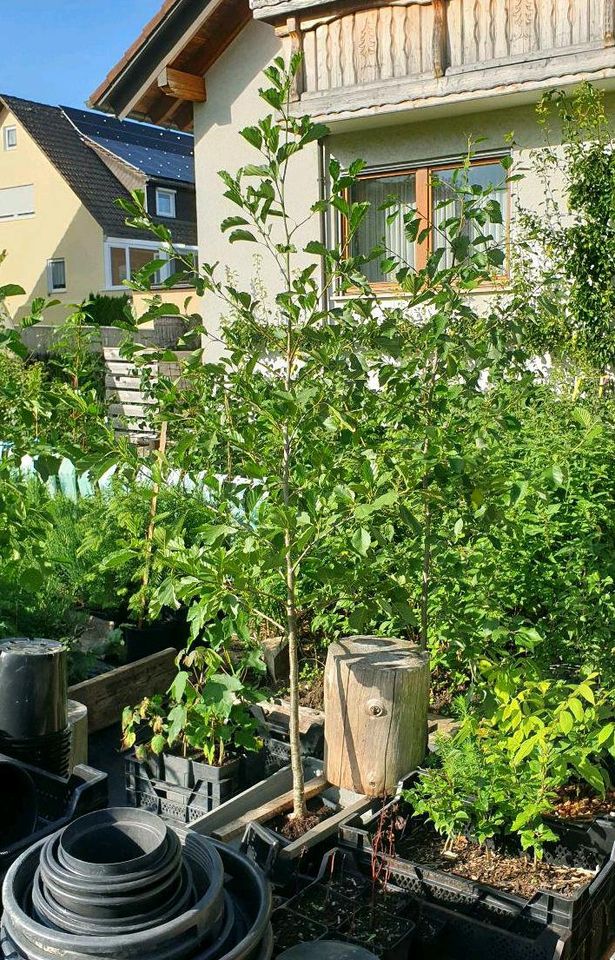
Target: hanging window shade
(446, 206)
(16, 202)
(375, 231)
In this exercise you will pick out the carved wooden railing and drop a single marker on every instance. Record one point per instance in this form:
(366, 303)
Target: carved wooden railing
(360, 44)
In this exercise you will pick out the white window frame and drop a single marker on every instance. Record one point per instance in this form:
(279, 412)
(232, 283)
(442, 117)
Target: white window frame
(5, 137)
(171, 196)
(126, 245)
(50, 286)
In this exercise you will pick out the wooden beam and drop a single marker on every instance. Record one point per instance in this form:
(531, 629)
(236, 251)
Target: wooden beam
(164, 110)
(183, 86)
(106, 696)
(609, 23)
(268, 810)
(296, 37)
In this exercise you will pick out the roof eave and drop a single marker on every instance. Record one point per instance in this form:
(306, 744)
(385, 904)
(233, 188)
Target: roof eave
(121, 89)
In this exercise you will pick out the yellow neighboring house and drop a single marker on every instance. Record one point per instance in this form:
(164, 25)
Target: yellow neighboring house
(60, 172)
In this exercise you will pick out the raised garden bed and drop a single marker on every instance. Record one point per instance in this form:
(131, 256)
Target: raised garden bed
(106, 696)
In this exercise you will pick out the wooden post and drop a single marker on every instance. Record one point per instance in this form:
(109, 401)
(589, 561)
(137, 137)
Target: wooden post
(376, 700)
(440, 38)
(609, 23)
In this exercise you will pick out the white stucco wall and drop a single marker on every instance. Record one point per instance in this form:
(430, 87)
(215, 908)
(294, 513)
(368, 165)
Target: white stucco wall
(233, 103)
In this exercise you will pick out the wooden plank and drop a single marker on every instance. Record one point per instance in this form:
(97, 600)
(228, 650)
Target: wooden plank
(115, 353)
(439, 39)
(183, 86)
(129, 397)
(268, 810)
(136, 410)
(119, 369)
(120, 382)
(106, 696)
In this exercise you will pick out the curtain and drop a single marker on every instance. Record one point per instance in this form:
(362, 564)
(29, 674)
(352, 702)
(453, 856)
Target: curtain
(484, 175)
(375, 230)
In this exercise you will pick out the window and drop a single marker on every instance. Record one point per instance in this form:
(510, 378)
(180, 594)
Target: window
(427, 190)
(124, 261)
(375, 230)
(56, 275)
(175, 266)
(124, 258)
(16, 202)
(484, 175)
(165, 202)
(10, 138)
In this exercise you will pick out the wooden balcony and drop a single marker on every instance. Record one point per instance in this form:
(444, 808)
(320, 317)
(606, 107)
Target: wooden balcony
(366, 58)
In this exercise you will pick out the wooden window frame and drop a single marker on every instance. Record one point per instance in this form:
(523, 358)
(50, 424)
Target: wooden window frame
(424, 174)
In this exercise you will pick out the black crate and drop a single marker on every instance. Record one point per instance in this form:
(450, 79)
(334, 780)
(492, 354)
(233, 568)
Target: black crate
(587, 849)
(183, 804)
(59, 800)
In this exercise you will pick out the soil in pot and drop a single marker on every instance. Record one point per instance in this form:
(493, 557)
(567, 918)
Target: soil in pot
(289, 929)
(380, 931)
(515, 874)
(293, 829)
(577, 801)
(326, 903)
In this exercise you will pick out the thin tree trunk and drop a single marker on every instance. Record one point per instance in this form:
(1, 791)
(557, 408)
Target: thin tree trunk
(149, 537)
(426, 572)
(299, 807)
(426, 561)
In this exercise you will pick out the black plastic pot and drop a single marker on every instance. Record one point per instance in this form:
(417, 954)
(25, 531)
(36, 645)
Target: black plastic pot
(327, 950)
(34, 703)
(143, 641)
(58, 801)
(121, 884)
(19, 804)
(33, 681)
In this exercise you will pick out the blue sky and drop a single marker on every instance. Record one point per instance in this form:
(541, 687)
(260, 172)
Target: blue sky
(58, 51)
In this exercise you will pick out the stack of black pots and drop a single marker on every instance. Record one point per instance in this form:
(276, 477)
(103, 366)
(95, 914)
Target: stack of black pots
(120, 884)
(34, 704)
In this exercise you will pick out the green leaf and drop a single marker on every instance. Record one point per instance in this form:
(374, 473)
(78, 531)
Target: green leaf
(237, 235)
(566, 722)
(584, 690)
(158, 743)
(361, 541)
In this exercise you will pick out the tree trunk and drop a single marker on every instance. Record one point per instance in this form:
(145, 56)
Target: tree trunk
(376, 700)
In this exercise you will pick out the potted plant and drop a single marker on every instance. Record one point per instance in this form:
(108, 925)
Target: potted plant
(197, 735)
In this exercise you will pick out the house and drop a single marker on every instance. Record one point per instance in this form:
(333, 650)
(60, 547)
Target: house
(61, 171)
(399, 83)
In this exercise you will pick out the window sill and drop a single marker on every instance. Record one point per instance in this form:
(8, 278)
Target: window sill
(392, 291)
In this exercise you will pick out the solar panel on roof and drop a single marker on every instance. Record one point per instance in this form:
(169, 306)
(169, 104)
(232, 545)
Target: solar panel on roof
(156, 152)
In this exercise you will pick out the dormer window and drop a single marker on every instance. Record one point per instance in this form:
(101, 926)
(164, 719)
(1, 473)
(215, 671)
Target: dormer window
(165, 202)
(10, 138)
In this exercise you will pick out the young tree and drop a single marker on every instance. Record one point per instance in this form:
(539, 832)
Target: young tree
(286, 410)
